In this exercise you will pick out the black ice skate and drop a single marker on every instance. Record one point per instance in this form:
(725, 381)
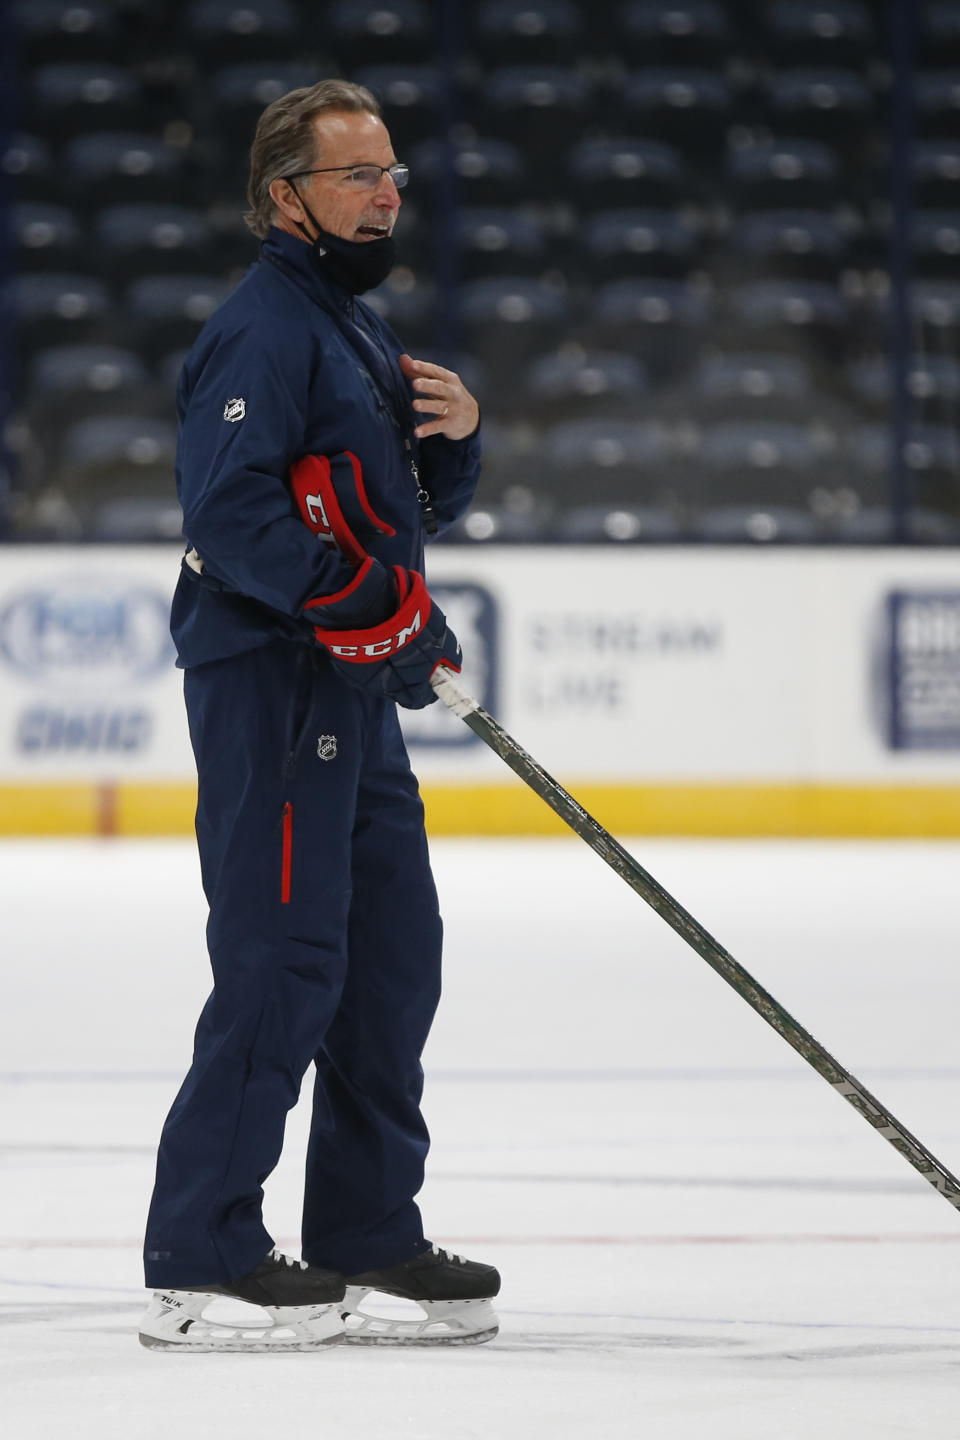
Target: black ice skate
(304, 1305)
(453, 1295)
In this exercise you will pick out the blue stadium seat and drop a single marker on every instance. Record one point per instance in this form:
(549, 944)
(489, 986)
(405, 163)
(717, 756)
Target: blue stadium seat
(406, 304)
(363, 32)
(240, 92)
(512, 456)
(513, 301)
(509, 319)
(618, 525)
(667, 241)
(45, 236)
(932, 456)
(486, 524)
(936, 304)
(591, 381)
(874, 525)
(935, 240)
(764, 462)
(221, 31)
(126, 442)
(486, 171)
(663, 321)
(500, 241)
(115, 461)
(123, 165)
(27, 162)
(742, 382)
(136, 519)
(167, 311)
(936, 95)
(68, 382)
(616, 456)
(761, 523)
(794, 242)
(411, 97)
(796, 305)
(828, 102)
(87, 370)
(52, 309)
(505, 31)
(53, 30)
(687, 106)
(930, 448)
(785, 173)
(547, 104)
(610, 171)
(69, 98)
(936, 172)
(674, 31)
(939, 31)
(153, 238)
(828, 32)
(653, 302)
(933, 380)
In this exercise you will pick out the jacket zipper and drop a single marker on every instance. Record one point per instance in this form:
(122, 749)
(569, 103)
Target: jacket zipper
(287, 854)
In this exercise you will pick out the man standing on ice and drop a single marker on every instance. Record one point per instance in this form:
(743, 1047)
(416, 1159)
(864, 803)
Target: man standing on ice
(314, 456)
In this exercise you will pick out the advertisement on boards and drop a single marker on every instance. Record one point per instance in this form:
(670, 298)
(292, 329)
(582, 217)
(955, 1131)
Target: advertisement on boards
(633, 665)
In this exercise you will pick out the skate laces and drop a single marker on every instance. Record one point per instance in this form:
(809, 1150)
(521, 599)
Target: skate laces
(448, 1255)
(280, 1258)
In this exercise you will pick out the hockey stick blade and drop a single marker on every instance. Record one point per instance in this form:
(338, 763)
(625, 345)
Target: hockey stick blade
(469, 710)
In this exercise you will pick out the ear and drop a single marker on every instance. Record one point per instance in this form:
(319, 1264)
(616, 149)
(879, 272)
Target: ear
(285, 199)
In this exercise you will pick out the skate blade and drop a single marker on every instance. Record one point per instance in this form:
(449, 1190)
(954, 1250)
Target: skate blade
(234, 1346)
(372, 1338)
(439, 1322)
(178, 1322)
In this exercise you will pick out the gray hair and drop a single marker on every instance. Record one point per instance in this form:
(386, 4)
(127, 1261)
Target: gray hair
(284, 142)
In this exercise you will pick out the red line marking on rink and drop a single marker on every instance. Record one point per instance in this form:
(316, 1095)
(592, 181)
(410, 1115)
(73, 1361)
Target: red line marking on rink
(64, 1242)
(106, 809)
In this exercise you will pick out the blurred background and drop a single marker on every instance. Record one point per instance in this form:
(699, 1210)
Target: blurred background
(697, 257)
(698, 261)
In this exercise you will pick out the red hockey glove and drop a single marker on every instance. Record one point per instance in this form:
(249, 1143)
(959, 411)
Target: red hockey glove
(332, 500)
(369, 598)
(396, 658)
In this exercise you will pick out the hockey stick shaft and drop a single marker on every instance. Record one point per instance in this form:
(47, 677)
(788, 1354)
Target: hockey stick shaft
(622, 862)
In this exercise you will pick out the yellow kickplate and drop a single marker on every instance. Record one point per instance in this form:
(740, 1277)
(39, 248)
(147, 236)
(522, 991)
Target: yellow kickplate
(512, 809)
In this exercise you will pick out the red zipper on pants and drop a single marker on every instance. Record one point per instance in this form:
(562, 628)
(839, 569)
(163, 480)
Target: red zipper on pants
(287, 852)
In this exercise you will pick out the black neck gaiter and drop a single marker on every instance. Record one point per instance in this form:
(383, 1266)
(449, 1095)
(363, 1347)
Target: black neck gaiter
(357, 265)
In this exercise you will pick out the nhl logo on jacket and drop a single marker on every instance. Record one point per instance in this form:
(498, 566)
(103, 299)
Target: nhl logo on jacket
(235, 409)
(327, 747)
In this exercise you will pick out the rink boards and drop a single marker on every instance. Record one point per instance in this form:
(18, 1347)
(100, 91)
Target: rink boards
(676, 691)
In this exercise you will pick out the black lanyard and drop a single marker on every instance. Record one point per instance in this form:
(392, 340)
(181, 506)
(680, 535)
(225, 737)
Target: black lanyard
(384, 375)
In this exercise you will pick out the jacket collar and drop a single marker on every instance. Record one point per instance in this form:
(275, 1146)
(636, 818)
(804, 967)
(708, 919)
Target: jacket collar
(295, 258)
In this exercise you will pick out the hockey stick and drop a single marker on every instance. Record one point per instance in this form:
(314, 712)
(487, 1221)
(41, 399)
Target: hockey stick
(622, 862)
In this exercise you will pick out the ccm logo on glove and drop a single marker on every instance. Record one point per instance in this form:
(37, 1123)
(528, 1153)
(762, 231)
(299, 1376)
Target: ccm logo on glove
(379, 648)
(376, 642)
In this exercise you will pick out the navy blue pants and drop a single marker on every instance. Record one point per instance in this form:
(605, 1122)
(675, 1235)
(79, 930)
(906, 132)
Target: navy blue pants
(325, 939)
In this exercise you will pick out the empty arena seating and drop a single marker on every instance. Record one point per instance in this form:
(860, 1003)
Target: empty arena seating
(654, 235)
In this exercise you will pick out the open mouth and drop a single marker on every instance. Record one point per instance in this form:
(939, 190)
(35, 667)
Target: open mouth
(374, 232)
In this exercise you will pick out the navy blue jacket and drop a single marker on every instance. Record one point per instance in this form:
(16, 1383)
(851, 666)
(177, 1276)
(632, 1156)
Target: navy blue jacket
(275, 346)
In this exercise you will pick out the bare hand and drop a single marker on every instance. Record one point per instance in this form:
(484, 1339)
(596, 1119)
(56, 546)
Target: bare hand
(443, 394)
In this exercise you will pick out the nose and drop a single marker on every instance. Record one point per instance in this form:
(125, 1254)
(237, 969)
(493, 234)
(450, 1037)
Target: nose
(386, 194)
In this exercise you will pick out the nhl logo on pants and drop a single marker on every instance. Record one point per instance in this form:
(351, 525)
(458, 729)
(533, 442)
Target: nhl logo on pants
(327, 747)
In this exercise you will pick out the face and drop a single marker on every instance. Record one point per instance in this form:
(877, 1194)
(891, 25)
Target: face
(351, 138)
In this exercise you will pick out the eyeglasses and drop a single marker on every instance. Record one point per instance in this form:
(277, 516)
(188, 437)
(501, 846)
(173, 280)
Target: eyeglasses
(364, 177)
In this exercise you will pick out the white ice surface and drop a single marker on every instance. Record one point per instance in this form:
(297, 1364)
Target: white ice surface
(696, 1237)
